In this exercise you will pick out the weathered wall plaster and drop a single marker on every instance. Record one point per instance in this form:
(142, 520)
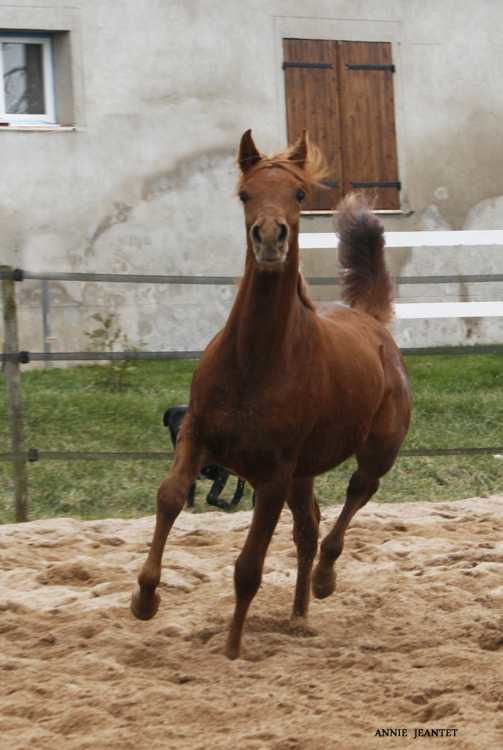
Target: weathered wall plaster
(146, 182)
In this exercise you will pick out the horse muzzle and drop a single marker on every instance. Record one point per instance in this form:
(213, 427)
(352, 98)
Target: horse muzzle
(269, 240)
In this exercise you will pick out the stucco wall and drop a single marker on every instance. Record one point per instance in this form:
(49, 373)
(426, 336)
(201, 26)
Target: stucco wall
(162, 93)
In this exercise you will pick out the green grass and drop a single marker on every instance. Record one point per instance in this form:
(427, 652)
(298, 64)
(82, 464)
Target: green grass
(458, 401)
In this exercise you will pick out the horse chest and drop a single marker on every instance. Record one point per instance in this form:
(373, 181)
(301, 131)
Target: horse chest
(238, 433)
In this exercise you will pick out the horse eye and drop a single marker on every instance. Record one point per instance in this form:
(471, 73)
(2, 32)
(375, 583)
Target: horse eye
(243, 196)
(300, 195)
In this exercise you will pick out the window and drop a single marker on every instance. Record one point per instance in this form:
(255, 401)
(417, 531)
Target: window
(342, 92)
(26, 76)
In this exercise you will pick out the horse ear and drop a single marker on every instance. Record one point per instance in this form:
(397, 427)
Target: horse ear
(299, 150)
(248, 154)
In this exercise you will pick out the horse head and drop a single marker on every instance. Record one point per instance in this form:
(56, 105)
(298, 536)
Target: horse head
(272, 190)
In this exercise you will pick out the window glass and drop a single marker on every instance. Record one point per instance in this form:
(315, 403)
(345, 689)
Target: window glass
(23, 78)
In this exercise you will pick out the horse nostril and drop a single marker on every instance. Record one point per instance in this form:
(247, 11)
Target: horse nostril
(256, 233)
(283, 231)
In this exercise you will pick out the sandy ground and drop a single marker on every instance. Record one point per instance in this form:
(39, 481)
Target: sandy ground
(412, 639)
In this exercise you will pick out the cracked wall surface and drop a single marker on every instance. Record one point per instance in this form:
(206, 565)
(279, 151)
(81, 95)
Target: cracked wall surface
(146, 182)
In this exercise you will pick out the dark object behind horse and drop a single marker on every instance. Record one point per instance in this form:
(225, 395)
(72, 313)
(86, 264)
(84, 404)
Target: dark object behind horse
(172, 419)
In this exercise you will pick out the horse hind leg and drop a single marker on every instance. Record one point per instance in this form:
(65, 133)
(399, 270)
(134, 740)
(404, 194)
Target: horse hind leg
(360, 489)
(306, 521)
(374, 460)
(171, 498)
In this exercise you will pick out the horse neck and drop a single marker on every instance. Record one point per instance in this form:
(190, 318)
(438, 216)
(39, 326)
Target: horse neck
(265, 317)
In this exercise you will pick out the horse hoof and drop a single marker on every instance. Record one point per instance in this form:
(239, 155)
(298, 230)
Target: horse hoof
(323, 582)
(297, 624)
(144, 606)
(232, 652)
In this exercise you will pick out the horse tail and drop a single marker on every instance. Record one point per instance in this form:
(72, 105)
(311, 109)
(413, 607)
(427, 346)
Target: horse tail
(366, 284)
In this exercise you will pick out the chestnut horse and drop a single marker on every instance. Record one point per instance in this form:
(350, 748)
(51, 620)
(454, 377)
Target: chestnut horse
(283, 393)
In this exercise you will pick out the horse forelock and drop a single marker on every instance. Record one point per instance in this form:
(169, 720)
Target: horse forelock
(309, 171)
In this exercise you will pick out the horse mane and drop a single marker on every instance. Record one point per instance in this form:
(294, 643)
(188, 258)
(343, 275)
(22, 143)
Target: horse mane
(303, 292)
(310, 170)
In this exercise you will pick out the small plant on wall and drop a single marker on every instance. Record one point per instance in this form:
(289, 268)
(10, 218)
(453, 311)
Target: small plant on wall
(108, 336)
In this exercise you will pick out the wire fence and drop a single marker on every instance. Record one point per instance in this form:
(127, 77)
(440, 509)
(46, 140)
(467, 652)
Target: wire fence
(17, 274)
(13, 357)
(33, 454)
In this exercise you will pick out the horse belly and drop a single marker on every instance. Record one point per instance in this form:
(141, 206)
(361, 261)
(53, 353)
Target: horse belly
(332, 441)
(324, 451)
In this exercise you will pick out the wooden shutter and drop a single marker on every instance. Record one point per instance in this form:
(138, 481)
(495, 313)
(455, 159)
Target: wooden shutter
(368, 121)
(312, 103)
(342, 92)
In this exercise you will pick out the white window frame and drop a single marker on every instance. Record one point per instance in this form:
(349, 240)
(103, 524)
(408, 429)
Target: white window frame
(44, 118)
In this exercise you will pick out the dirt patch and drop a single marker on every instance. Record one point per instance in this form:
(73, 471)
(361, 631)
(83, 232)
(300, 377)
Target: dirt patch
(412, 638)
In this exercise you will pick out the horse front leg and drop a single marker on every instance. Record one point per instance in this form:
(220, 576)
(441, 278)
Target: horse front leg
(250, 563)
(171, 498)
(306, 521)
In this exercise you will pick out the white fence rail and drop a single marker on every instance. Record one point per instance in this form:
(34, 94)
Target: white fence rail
(451, 238)
(434, 310)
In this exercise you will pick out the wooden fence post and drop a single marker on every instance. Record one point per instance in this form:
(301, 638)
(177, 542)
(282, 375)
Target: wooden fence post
(14, 398)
